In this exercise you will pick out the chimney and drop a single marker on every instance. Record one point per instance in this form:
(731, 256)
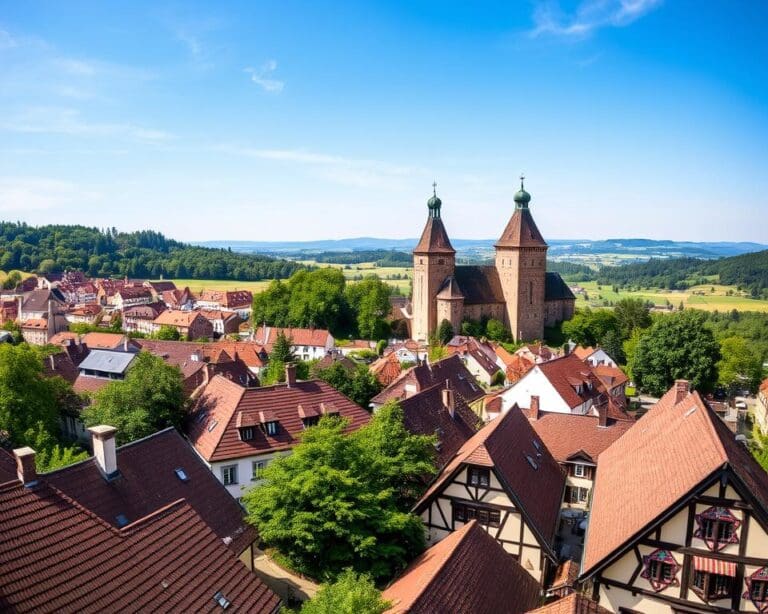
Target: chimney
(25, 466)
(448, 400)
(682, 388)
(602, 415)
(104, 451)
(534, 412)
(19, 314)
(290, 375)
(125, 343)
(52, 362)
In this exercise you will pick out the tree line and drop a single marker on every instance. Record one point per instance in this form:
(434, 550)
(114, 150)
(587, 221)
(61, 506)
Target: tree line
(143, 254)
(381, 257)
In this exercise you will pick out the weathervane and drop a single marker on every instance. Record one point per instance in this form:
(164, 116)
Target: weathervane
(434, 188)
(522, 179)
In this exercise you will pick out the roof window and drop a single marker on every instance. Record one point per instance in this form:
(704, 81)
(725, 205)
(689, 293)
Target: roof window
(181, 474)
(212, 425)
(531, 462)
(221, 600)
(121, 520)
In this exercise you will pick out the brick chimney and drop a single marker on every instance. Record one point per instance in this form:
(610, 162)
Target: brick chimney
(682, 389)
(25, 466)
(448, 399)
(534, 411)
(290, 375)
(104, 450)
(602, 415)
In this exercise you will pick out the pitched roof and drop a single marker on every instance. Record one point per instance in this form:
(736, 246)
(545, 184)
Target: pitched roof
(610, 376)
(335, 357)
(434, 239)
(521, 231)
(148, 482)
(480, 284)
(507, 444)
(7, 466)
(37, 300)
(556, 289)
(90, 383)
(450, 289)
(568, 372)
(59, 557)
(129, 292)
(583, 352)
(266, 337)
(386, 369)
(575, 603)
(60, 364)
(567, 435)
(144, 312)
(247, 351)
(103, 341)
(228, 298)
(213, 427)
(425, 414)
(467, 571)
(426, 375)
(649, 469)
(107, 361)
(161, 286)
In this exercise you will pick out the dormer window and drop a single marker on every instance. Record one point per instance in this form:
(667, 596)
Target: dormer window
(310, 421)
(660, 569)
(479, 476)
(757, 589)
(270, 428)
(246, 433)
(717, 526)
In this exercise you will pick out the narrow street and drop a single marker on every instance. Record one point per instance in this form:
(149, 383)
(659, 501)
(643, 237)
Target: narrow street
(290, 587)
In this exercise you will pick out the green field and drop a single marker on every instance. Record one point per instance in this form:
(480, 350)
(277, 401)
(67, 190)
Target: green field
(196, 285)
(696, 297)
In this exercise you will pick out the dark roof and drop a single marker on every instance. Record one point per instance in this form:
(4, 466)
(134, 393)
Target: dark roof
(505, 444)
(556, 289)
(128, 292)
(450, 289)
(162, 286)
(650, 469)
(434, 239)
(59, 557)
(468, 571)
(107, 361)
(7, 466)
(332, 357)
(37, 300)
(148, 482)
(425, 414)
(521, 231)
(426, 375)
(479, 284)
(213, 426)
(145, 312)
(60, 364)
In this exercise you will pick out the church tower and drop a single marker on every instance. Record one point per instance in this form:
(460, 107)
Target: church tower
(434, 260)
(521, 262)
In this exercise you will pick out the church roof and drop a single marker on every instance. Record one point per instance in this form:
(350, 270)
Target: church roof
(479, 284)
(434, 239)
(521, 231)
(450, 289)
(556, 289)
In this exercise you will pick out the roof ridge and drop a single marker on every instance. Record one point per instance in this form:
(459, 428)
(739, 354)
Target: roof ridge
(710, 425)
(140, 523)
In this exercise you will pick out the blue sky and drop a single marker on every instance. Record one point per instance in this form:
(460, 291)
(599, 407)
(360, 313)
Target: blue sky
(309, 120)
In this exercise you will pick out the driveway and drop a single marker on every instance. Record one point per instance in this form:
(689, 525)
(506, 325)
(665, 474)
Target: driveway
(290, 587)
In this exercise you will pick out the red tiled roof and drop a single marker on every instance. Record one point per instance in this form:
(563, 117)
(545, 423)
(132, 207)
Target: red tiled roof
(35, 323)
(568, 434)
(247, 351)
(317, 337)
(610, 376)
(59, 557)
(161, 286)
(129, 292)
(60, 364)
(425, 414)
(583, 352)
(175, 317)
(231, 299)
(212, 427)
(89, 383)
(144, 312)
(148, 482)
(566, 574)
(103, 341)
(567, 372)
(575, 603)
(521, 231)
(468, 571)
(675, 446)
(386, 369)
(7, 466)
(434, 239)
(504, 444)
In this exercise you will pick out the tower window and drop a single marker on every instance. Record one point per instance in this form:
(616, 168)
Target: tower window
(530, 293)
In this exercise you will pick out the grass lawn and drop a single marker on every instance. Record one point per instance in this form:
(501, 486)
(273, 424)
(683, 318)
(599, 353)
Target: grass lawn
(196, 285)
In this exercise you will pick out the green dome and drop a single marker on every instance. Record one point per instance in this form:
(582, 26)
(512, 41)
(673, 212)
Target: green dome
(522, 198)
(434, 203)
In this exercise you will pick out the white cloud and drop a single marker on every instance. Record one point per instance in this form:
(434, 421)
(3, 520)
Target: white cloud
(45, 120)
(6, 40)
(263, 77)
(35, 193)
(71, 66)
(589, 16)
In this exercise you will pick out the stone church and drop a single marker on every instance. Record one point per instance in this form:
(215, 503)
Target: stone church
(516, 289)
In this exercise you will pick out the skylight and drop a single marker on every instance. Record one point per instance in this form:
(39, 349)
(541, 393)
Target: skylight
(181, 474)
(531, 462)
(212, 425)
(689, 412)
(121, 520)
(221, 600)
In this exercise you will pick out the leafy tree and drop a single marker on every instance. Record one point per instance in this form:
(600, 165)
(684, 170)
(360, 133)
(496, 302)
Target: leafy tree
(13, 328)
(282, 349)
(612, 344)
(168, 333)
(631, 313)
(677, 346)
(317, 298)
(338, 500)
(740, 365)
(496, 331)
(12, 280)
(445, 332)
(369, 300)
(150, 398)
(360, 386)
(50, 454)
(588, 327)
(271, 305)
(381, 346)
(351, 593)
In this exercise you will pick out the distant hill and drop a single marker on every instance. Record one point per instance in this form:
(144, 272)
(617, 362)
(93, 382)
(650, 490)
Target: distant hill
(632, 249)
(143, 254)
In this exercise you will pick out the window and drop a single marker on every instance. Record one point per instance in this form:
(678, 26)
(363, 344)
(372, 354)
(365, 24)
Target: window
(710, 586)
(479, 476)
(717, 526)
(660, 569)
(229, 475)
(271, 428)
(575, 495)
(310, 421)
(246, 433)
(757, 589)
(530, 293)
(181, 474)
(258, 469)
(485, 516)
(579, 471)
(221, 600)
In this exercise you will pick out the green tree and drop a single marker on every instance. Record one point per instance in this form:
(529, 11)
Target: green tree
(336, 501)
(351, 593)
(360, 385)
(50, 454)
(740, 365)
(496, 331)
(317, 298)
(168, 333)
(282, 349)
(150, 398)
(677, 346)
(631, 313)
(445, 332)
(588, 327)
(271, 305)
(369, 300)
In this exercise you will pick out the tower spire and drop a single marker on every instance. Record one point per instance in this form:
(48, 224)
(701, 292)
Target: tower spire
(522, 198)
(434, 203)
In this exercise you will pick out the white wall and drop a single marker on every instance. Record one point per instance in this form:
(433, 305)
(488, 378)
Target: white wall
(534, 383)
